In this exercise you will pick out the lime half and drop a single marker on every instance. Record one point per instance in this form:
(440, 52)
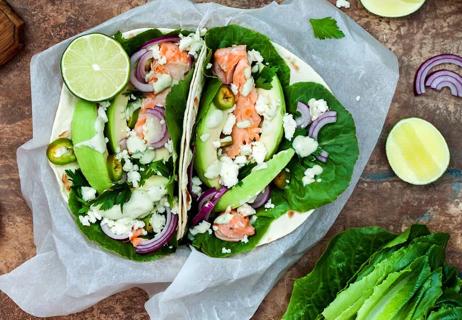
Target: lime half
(417, 152)
(392, 8)
(95, 67)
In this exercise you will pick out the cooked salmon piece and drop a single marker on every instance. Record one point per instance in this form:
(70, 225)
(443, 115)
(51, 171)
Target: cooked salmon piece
(226, 60)
(236, 229)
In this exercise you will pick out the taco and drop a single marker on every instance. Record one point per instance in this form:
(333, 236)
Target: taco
(117, 160)
(270, 144)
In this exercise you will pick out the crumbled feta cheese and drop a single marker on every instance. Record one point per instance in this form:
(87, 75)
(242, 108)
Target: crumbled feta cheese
(228, 172)
(163, 82)
(247, 87)
(254, 56)
(202, 227)
(135, 144)
(128, 165)
(244, 124)
(246, 210)
(269, 204)
(215, 119)
(169, 145)
(205, 137)
(191, 43)
(213, 170)
(155, 49)
(229, 124)
(84, 221)
(123, 226)
(247, 72)
(304, 146)
(226, 139)
(208, 66)
(147, 156)
(245, 239)
(266, 105)
(196, 185)
(225, 250)
(317, 108)
(240, 161)
(289, 125)
(134, 177)
(104, 104)
(342, 4)
(216, 144)
(224, 218)
(253, 219)
(246, 149)
(258, 152)
(310, 174)
(234, 88)
(157, 222)
(88, 193)
(358, 98)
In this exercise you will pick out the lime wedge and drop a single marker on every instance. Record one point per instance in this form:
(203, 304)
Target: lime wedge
(392, 8)
(417, 152)
(95, 67)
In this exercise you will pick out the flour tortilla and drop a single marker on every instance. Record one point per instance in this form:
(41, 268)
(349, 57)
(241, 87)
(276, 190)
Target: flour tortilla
(300, 71)
(62, 128)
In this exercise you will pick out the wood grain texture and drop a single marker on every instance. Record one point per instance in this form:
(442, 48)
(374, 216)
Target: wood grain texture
(379, 198)
(11, 33)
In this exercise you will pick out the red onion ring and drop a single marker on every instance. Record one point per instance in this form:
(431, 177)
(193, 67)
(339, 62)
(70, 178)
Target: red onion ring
(160, 239)
(206, 209)
(141, 67)
(323, 156)
(107, 230)
(141, 86)
(166, 38)
(162, 137)
(261, 198)
(319, 123)
(424, 69)
(305, 117)
(445, 79)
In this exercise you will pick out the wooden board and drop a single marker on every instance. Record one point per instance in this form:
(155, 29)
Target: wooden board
(11, 33)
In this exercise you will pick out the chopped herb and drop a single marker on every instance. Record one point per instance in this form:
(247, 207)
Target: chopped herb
(160, 167)
(118, 194)
(265, 77)
(326, 28)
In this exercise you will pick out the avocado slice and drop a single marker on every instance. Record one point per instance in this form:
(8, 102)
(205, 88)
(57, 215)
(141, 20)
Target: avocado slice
(255, 182)
(91, 162)
(272, 129)
(116, 129)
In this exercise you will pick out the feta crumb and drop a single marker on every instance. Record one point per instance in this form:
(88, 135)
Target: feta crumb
(224, 218)
(254, 56)
(246, 149)
(202, 227)
(228, 172)
(342, 4)
(134, 178)
(135, 144)
(105, 104)
(245, 239)
(216, 144)
(84, 221)
(267, 105)
(289, 125)
(269, 204)
(163, 82)
(244, 124)
(240, 161)
(304, 146)
(128, 165)
(191, 43)
(258, 152)
(253, 219)
(246, 210)
(247, 87)
(208, 66)
(213, 170)
(169, 145)
(157, 222)
(204, 137)
(88, 193)
(196, 185)
(317, 108)
(310, 174)
(229, 124)
(358, 98)
(225, 251)
(234, 88)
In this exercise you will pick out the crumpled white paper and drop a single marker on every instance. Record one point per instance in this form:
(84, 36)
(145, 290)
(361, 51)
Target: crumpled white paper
(69, 274)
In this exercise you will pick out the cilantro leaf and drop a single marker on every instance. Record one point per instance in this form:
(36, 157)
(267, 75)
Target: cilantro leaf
(326, 28)
(159, 167)
(119, 194)
(265, 77)
(77, 178)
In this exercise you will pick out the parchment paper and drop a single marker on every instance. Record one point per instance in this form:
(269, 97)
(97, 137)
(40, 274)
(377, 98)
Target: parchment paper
(69, 274)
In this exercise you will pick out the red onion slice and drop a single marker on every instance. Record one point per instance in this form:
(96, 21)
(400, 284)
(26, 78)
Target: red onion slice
(319, 123)
(323, 156)
(424, 69)
(141, 67)
(107, 230)
(160, 239)
(166, 38)
(161, 137)
(141, 86)
(206, 209)
(445, 79)
(261, 198)
(305, 117)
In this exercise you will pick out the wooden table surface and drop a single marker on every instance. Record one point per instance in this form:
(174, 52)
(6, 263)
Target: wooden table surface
(379, 198)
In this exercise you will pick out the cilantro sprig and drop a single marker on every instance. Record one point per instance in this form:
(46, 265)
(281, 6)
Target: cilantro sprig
(326, 28)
